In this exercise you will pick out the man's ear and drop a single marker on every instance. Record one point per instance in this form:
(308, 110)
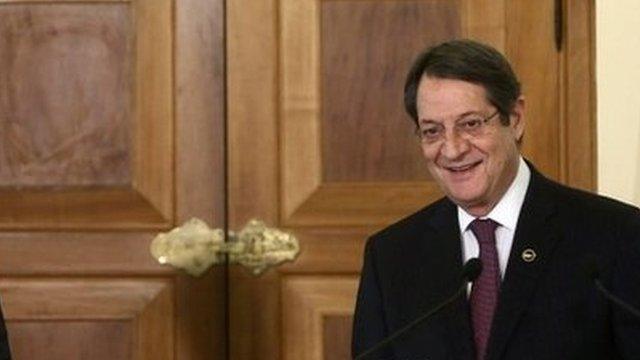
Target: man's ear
(516, 121)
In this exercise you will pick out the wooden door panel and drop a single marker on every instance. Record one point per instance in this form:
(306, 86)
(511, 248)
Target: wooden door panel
(76, 253)
(72, 339)
(353, 63)
(349, 157)
(132, 317)
(320, 144)
(113, 130)
(339, 247)
(530, 47)
(87, 114)
(57, 104)
(336, 337)
(199, 54)
(316, 310)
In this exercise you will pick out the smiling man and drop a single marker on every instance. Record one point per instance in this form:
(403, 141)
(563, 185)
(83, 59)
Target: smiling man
(533, 298)
(472, 161)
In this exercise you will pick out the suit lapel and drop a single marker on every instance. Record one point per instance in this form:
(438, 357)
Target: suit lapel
(536, 231)
(448, 249)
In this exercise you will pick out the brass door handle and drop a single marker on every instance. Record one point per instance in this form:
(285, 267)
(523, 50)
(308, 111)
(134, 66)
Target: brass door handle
(194, 247)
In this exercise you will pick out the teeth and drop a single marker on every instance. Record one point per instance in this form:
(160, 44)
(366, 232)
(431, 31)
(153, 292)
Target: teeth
(461, 168)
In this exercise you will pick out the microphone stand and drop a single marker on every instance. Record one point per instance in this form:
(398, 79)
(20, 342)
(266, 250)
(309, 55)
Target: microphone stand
(470, 272)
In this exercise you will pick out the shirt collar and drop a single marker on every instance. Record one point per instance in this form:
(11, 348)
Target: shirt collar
(507, 210)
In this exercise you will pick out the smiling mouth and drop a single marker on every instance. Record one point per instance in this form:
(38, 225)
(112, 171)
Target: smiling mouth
(463, 168)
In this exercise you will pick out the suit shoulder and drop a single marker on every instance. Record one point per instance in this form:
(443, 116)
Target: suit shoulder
(583, 202)
(410, 224)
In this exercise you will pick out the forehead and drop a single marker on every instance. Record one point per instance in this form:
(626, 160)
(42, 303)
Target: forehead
(438, 97)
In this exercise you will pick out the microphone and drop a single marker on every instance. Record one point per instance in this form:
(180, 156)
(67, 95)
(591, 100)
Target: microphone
(593, 272)
(470, 271)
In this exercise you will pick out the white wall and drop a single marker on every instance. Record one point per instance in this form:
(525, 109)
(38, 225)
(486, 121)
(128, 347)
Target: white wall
(618, 94)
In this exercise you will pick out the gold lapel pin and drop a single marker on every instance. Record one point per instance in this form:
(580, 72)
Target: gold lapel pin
(528, 255)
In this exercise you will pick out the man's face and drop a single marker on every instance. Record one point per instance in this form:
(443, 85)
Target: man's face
(474, 168)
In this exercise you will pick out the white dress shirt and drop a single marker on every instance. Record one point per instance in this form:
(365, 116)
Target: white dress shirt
(505, 213)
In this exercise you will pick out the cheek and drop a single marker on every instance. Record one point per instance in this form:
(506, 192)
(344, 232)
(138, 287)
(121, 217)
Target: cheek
(429, 155)
(494, 149)
(498, 156)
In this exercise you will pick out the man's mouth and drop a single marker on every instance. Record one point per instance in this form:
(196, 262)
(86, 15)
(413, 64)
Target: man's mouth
(463, 168)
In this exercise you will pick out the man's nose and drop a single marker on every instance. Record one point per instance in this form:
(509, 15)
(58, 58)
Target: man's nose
(454, 145)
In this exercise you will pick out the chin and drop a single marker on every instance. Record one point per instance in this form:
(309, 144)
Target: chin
(466, 194)
(466, 203)
(467, 200)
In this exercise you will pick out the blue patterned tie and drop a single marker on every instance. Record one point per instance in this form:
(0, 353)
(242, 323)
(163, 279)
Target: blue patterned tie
(484, 293)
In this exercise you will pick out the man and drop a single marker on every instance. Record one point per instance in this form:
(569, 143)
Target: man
(533, 298)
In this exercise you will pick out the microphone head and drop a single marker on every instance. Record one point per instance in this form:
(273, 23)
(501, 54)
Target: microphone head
(591, 268)
(472, 269)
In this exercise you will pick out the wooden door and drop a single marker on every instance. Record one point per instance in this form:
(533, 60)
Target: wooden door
(112, 130)
(319, 143)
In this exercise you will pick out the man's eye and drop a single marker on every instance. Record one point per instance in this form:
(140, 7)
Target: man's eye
(429, 132)
(470, 124)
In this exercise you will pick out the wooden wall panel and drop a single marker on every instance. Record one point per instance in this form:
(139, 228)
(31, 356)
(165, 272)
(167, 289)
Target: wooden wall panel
(361, 204)
(336, 335)
(66, 99)
(532, 24)
(253, 112)
(485, 21)
(329, 250)
(70, 340)
(74, 253)
(87, 114)
(312, 151)
(95, 208)
(92, 290)
(309, 301)
(252, 93)
(579, 130)
(201, 303)
(154, 134)
(255, 311)
(367, 47)
(134, 317)
(79, 299)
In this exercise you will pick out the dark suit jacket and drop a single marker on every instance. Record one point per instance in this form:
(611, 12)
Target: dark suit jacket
(547, 309)
(5, 352)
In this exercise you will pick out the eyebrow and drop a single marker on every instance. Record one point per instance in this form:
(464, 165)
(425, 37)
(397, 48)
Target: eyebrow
(433, 121)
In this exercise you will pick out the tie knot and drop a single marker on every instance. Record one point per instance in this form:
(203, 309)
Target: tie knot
(484, 230)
